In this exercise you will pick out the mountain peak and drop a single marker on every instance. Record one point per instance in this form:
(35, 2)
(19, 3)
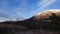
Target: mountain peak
(45, 14)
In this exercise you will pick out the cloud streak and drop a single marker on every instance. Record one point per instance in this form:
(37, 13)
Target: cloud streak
(4, 13)
(48, 2)
(25, 9)
(22, 9)
(42, 5)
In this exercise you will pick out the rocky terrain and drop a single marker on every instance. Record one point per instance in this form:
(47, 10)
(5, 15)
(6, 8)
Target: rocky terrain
(47, 22)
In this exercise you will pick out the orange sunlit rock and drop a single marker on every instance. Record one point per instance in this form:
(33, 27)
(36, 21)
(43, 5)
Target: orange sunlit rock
(47, 13)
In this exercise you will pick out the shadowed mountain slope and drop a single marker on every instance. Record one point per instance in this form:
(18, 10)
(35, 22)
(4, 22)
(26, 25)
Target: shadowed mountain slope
(48, 20)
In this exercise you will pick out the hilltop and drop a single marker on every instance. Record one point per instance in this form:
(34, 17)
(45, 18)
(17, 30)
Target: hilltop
(48, 20)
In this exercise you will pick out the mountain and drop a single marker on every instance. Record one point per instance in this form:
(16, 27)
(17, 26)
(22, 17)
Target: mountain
(48, 20)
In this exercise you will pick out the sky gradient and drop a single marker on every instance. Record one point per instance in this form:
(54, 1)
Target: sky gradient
(25, 8)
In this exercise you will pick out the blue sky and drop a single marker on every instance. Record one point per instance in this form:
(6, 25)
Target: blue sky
(25, 8)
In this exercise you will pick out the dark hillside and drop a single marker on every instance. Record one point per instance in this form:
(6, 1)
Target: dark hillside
(32, 25)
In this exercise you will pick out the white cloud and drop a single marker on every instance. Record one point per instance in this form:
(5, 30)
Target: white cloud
(2, 19)
(21, 9)
(19, 12)
(49, 2)
(40, 4)
(43, 4)
(3, 13)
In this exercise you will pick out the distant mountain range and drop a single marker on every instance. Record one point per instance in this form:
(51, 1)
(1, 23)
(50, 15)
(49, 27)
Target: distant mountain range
(48, 20)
